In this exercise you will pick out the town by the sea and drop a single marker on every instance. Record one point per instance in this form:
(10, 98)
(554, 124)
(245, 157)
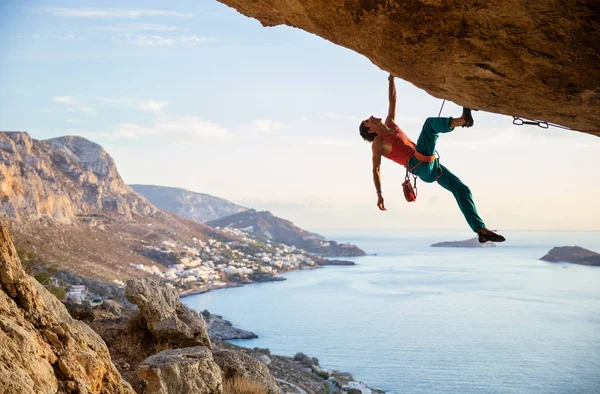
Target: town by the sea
(409, 318)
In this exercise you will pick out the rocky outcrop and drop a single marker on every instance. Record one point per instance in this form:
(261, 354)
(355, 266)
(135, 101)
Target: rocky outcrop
(62, 178)
(42, 349)
(468, 243)
(188, 370)
(237, 364)
(264, 225)
(573, 255)
(221, 329)
(166, 317)
(537, 60)
(196, 206)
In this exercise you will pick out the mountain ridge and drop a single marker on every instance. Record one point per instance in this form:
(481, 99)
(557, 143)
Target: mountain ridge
(269, 227)
(201, 207)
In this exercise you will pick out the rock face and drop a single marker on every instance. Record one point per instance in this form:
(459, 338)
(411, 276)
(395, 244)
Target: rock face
(235, 364)
(468, 243)
(269, 227)
(188, 370)
(42, 349)
(62, 178)
(167, 318)
(572, 254)
(196, 206)
(537, 60)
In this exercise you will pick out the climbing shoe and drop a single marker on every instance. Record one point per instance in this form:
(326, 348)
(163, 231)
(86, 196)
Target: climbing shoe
(488, 235)
(466, 114)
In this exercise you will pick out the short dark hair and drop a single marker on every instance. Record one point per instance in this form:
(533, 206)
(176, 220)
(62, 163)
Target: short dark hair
(364, 132)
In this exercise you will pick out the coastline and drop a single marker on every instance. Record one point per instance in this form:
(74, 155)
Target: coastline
(333, 372)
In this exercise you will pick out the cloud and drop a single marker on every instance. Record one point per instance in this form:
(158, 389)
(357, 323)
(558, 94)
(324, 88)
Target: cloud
(84, 109)
(266, 125)
(114, 13)
(133, 131)
(171, 127)
(64, 100)
(140, 27)
(320, 141)
(154, 40)
(144, 105)
(195, 39)
(151, 105)
(74, 105)
(343, 117)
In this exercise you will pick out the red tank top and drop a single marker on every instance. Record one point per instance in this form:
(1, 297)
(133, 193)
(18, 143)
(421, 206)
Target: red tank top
(402, 147)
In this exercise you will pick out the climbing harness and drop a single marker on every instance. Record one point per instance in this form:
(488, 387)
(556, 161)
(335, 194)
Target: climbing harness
(410, 191)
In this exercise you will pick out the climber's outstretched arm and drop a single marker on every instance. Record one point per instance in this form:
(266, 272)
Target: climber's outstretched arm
(376, 147)
(392, 100)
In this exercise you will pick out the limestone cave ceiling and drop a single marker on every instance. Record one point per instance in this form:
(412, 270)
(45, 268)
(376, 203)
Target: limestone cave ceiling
(532, 59)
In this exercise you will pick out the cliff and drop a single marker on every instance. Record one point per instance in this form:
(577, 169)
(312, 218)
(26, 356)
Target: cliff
(537, 60)
(42, 349)
(62, 178)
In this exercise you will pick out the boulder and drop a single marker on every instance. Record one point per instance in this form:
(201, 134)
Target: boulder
(187, 370)
(237, 364)
(221, 329)
(42, 348)
(264, 358)
(167, 318)
(537, 60)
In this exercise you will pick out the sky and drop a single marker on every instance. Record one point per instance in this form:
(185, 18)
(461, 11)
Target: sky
(195, 95)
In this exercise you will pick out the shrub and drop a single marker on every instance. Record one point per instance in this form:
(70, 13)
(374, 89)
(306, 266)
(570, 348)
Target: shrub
(307, 362)
(58, 292)
(323, 374)
(266, 350)
(299, 356)
(43, 277)
(242, 385)
(354, 391)
(28, 259)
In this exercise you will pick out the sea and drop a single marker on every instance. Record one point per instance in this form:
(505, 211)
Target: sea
(410, 318)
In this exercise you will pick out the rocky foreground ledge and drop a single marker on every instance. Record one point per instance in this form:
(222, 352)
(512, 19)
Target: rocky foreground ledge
(573, 255)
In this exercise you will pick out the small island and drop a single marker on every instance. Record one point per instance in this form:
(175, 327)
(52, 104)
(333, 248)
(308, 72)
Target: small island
(573, 255)
(467, 243)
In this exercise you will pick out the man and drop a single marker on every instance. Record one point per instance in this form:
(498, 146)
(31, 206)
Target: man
(389, 141)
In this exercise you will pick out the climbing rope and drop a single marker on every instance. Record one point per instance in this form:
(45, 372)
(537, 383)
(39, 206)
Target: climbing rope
(443, 102)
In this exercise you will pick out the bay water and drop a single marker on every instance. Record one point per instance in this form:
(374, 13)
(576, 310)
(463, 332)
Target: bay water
(409, 318)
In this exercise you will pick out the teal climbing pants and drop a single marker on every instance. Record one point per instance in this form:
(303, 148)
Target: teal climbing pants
(430, 172)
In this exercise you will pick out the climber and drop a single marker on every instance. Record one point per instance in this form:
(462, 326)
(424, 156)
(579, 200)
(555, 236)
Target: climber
(389, 140)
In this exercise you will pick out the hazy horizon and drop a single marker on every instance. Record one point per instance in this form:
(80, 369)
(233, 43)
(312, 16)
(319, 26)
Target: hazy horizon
(163, 90)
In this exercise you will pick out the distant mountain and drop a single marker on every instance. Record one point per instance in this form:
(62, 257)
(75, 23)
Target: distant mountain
(468, 243)
(265, 225)
(196, 206)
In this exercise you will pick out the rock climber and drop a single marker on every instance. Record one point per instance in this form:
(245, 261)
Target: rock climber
(389, 141)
